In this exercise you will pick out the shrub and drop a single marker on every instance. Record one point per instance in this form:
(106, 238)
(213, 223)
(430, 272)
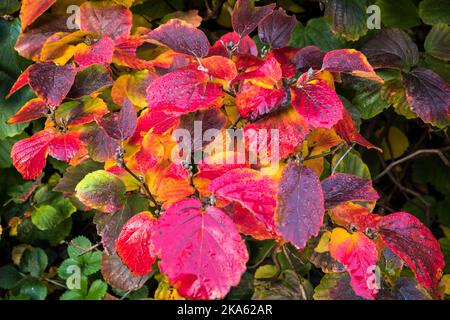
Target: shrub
(220, 170)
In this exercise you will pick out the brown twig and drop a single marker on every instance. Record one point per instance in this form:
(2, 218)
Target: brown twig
(439, 152)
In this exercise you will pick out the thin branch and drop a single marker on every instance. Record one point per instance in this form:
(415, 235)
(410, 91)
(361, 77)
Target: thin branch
(413, 155)
(229, 92)
(342, 158)
(144, 186)
(331, 152)
(264, 257)
(299, 278)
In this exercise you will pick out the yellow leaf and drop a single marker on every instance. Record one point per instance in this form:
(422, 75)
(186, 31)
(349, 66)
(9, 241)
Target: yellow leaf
(324, 241)
(266, 272)
(446, 282)
(395, 145)
(165, 291)
(13, 223)
(17, 252)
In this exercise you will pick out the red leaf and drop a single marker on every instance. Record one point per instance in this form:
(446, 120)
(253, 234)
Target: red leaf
(429, 96)
(121, 126)
(32, 9)
(267, 74)
(21, 82)
(182, 37)
(220, 67)
(255, 101)
(291, 128)
(158, 122)
(343, 187)
(354, 217)
(346, 129)
(182, 91)
(32, 110)
(276, 29)
(64, 147)
(249, 188)
(414, 243)
(247, 223)
(318, 103)
(100, 52)
(246, 16)
(349, 61)
(230, 42)
(125, 53)
(201, 251)
(285, 57)
(359, 256)
(134, 244)
(300, 207)
(29, 155)
(51, 82)
(105, 19)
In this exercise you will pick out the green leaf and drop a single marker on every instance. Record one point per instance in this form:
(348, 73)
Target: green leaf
(10, 61)
(97, 290)
(289, 286)
(9, 107)
(394, 93)
(78, 246)
(266, 272)
(5, 150)
(73, 175)
(63, 270)
(318, 33)
(351, 163)
(34, 289)
(435, 11)
(335, 286)
(368, 99)
(9, 277)
(437, 42)
(101, 190)
(49, 216)
(27, 232)
(88, 261)
(391, 17)
(9, 6)
(348, 17)
(71, 295)
(432, 170)
(441, 211)
(439, 66)
(34, 261)
(445, 248)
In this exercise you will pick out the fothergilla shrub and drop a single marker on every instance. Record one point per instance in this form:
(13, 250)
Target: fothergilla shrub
(219, 164)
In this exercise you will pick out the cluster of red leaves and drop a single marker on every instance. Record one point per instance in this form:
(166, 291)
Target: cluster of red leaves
(197, 237)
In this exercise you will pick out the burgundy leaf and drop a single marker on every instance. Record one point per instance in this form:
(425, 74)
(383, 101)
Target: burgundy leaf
(414, 243)
(182, 37)
(51, 82)
(429, 96)
(391, 48)
(246, 16)
(300, 209)
(121, 126)
(276, 29)
(343, 187)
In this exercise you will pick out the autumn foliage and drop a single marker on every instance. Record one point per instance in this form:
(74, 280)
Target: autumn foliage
(113, 95)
